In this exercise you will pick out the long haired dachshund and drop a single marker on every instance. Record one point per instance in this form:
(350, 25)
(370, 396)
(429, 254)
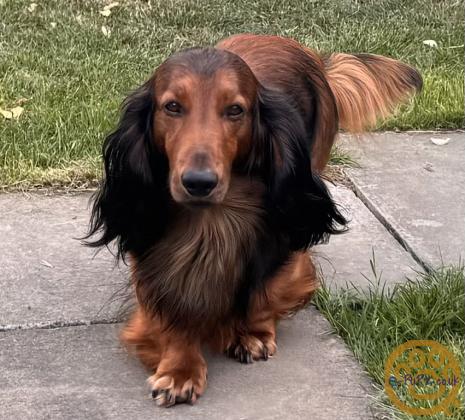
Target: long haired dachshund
(212, 192)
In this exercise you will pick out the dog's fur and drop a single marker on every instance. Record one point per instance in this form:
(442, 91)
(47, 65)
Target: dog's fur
(223, 269)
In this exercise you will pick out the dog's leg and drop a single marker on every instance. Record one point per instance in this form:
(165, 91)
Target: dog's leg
(180, 371)
(286, 292)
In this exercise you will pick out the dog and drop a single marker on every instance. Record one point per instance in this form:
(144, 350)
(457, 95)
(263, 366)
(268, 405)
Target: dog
(213, 194)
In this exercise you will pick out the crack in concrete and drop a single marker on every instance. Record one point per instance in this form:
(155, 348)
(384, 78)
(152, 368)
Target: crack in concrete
(50, 325)
(387, 225)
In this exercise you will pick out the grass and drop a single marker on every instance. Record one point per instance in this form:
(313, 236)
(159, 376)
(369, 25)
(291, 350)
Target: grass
(374, 322)
(70, 77)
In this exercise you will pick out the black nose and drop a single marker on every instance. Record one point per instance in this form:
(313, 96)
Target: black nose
(199, 183)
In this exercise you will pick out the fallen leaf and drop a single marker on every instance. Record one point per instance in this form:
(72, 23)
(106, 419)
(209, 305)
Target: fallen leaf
(440, 141)
(111, 5)
(6, 114)
(12, 113)
(106, 31)
(79, 19)
(53, 24)
(46, 263)
(32, 7)
(107, 9)
(17, 111)
(431, 43)
(429, 167)
(21, 101)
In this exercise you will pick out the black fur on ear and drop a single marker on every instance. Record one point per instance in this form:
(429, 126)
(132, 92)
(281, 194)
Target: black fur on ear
(299, 200)
(130, 205)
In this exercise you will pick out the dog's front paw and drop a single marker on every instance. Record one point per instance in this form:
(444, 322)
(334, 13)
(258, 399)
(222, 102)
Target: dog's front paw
(170, 388)
(251, 347)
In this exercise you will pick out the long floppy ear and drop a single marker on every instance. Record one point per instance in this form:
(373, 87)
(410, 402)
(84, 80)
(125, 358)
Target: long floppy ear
(299, 200)
(368, 87)
(125, 207)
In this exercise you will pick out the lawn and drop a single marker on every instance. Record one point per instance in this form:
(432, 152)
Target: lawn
(374, 322)
(69, 66)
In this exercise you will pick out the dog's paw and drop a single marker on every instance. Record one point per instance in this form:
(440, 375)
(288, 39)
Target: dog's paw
(250, 347)
(176, 387)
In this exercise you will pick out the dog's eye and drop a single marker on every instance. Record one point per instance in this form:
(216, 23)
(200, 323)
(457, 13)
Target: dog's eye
(234, 111)
(173, 107)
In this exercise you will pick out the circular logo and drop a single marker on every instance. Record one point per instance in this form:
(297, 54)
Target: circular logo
(422, 377)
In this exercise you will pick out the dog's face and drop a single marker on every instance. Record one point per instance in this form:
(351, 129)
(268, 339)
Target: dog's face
(202, 121)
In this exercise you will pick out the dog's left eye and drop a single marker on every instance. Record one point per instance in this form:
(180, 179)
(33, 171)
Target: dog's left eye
(234, 111)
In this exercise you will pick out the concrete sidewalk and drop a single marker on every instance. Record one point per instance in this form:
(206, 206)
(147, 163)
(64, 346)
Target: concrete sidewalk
(59, 354)
(416, 188)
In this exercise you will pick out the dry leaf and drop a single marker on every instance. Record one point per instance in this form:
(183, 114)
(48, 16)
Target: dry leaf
(21, 101)
(32, 7)
(431, 43)
(17, 111)
(111, 5)
(429, 167)
(79, 19)
(13, 113)
(106, 31)
(6, 114)
(46, 263)
(53, 24)
(440, 141)
(107, 9)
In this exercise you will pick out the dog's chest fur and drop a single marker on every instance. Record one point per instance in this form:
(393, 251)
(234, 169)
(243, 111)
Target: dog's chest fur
(195, 272)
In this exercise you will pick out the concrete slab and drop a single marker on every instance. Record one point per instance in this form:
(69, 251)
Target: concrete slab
(345, 260)
(81, 373)
(46, 275)
(417, 188)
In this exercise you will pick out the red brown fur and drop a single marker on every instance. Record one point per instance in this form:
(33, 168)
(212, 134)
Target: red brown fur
(212, 187)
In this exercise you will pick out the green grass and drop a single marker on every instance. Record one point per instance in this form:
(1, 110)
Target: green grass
(375, 321)
(73, 77)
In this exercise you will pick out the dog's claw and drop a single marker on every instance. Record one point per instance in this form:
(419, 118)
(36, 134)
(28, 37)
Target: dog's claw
(167, 390)
(250, 348)
(243, 355)
(190, 394)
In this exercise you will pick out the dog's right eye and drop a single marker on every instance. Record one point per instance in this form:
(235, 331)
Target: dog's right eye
(173, 108)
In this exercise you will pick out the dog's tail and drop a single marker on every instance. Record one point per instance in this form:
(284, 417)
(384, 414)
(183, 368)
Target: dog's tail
(368, 87)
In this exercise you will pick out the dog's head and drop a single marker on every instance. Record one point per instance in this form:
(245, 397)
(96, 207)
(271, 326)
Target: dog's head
(204, 108)
(200, 118)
